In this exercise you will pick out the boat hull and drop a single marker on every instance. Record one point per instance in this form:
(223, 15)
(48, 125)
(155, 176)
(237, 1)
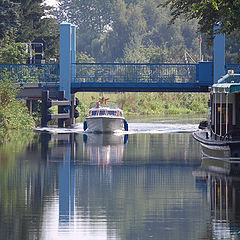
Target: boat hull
(225, 152)
(105, 124)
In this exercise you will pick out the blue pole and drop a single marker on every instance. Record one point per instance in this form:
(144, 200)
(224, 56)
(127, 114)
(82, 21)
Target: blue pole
(219, 55)
(65, 58)
(73, 52)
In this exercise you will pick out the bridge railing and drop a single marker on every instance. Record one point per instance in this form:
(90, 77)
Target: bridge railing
(234, 67)
(134, 73)
(44, 74)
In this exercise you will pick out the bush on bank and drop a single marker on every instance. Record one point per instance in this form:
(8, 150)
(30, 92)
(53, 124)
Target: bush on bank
(13, 113)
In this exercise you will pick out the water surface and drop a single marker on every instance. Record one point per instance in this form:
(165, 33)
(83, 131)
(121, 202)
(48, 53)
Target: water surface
(63, 184)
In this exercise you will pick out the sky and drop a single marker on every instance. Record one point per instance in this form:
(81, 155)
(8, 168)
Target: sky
(51, 2)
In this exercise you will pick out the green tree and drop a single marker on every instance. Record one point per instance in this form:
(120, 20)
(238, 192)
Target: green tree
(84, 58)
(13, 113)
(208, 13)
(14, 53)
(127, 31)
(128, 25)
(36, 22)
(91, 18)
(8, 16)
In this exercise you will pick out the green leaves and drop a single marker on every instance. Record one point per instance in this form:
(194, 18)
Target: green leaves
(13, 113)
(209, 13)
(13, 53)
(8, 16)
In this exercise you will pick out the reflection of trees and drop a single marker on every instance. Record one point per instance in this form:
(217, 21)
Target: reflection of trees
(25, 181)
(142, 201)
(157, 147)
(135, 200)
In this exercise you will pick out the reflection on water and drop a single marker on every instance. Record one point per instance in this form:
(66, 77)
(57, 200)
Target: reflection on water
(104, 149)
(96, 186)
(223, 194)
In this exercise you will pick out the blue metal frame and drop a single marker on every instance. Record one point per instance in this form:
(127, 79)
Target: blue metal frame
(134, 72)
(119, 77)
(43, 74)
(234, 67)
(141, 77)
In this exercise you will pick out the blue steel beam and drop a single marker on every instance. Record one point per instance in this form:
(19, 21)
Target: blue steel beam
(43, 74)
(138, 87)
(138, 77)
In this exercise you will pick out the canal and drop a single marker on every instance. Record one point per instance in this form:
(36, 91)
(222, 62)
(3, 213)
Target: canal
(64, 184)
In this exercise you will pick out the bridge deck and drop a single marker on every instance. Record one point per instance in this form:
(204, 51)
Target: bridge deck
(138, 87)
(116, 77)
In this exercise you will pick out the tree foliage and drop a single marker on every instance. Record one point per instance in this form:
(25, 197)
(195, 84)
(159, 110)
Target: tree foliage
(12, 52)
(8, 16)
(13, 113)
(126, 25)
(208, 13)
(35, 22)
(26, 20)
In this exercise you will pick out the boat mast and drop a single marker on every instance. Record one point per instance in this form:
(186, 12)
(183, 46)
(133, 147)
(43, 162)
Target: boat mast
(226, 113)
(220, 115)
(215, 113)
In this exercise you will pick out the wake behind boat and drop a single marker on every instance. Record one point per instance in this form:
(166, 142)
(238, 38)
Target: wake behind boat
(105, 116)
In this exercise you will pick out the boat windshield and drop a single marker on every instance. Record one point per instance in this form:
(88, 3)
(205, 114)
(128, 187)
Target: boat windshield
(101, 112)
(113, 113)
(94, 113)
(109, 104)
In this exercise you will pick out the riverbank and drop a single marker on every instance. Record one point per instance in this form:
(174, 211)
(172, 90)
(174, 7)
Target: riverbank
(13, 113)
(150, 104)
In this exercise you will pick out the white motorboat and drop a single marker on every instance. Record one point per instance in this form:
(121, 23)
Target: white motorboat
(105, 116)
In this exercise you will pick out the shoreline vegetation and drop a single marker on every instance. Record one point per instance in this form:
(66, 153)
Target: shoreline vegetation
(150, 104)
(14, 114)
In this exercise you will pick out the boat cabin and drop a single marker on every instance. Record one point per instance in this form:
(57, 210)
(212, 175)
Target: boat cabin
(106, 112)
(225, 107)
(103, 107)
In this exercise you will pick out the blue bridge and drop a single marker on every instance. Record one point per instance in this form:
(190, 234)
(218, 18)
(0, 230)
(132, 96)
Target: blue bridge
(75, 77)
(71, 77)
(117, 77)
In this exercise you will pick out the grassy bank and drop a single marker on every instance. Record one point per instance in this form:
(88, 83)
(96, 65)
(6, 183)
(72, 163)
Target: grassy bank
(13, 113)
(152, 104)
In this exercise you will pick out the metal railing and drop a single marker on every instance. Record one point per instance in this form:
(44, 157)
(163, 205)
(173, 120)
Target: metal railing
(32, 73)
(134, 73)
(230, 78)
(234, 67)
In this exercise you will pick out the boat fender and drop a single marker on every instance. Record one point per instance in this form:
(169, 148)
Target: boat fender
(125, 138)
(85, 137)
(76, 113)
(76, 102)
(85, 125)
(125, 125)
